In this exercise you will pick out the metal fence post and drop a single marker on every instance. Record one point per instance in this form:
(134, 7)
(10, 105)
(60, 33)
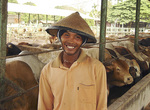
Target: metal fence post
(3, 28)
(137, 25)
(102, 39)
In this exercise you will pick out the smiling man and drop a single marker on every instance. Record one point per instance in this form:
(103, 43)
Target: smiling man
(73, 81)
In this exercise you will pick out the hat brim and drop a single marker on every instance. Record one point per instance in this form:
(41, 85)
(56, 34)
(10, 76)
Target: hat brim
(54, 30)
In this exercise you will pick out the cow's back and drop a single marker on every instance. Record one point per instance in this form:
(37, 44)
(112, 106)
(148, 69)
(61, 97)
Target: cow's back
(21, 74)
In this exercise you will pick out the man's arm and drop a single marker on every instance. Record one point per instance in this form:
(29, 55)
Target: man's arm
(46, 99)
(101, 83)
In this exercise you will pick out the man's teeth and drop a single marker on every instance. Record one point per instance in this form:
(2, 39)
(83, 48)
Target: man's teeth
(70, 47)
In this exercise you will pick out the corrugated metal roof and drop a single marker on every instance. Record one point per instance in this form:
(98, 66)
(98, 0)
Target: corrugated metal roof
(12, 7)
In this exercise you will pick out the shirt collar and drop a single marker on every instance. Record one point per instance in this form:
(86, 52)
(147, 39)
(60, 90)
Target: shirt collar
(57, 62)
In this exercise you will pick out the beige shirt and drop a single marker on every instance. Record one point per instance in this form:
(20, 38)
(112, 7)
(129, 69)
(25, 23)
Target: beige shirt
(81, 87)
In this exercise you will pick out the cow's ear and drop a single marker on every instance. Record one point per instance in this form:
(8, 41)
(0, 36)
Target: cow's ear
(109, 68)
(9, 45)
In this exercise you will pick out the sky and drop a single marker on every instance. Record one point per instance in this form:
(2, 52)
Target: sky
(87, 4)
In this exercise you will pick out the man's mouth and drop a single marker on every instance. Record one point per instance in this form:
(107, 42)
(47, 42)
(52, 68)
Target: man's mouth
(70, 47)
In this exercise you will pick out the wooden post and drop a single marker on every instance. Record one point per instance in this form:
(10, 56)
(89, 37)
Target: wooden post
(3, 31)
(102, 39)
(137, 25)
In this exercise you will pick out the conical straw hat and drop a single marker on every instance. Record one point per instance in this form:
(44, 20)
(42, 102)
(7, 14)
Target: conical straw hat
(74, 23)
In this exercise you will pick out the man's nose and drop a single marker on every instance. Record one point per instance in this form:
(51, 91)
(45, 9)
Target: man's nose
(71, 37)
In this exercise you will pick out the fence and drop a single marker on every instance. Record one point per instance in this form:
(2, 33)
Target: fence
(38, 31)
(120, 31)
(134, 99)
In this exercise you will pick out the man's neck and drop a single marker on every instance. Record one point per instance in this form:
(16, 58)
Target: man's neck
(68, 60)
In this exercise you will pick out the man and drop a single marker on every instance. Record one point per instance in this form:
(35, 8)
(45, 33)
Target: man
(73, 81)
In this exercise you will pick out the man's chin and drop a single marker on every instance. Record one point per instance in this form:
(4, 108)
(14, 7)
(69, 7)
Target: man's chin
(71, 53)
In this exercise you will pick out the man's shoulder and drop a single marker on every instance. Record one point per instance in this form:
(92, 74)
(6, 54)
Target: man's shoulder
(94, 60)
(47, 66)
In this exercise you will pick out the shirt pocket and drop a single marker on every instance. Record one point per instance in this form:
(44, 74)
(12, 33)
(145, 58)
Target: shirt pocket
(86, 93)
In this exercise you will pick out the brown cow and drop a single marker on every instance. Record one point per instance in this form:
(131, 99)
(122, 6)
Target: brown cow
(145, 51)
(123, 75)
(118, 73)
(53, 39)
(117, 70)
(130, 46)
(134, 68)
(21, 74)
(127, 54)
(147, 107)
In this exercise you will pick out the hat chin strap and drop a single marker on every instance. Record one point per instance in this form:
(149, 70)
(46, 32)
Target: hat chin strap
(84, 41)
(58, 36)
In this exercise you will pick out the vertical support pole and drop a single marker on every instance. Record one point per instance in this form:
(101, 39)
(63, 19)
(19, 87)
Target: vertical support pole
(38, 18)
(54, 19)
(138, 2)
(46, 20)
(18, 18)
(102, 39)
(29, 19)
(3, 29)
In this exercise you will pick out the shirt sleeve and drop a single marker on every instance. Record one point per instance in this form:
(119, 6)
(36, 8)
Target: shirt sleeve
(101, 83)
(45, 98)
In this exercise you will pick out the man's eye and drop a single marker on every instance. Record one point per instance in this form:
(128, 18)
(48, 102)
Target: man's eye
(66, 35)
(78, 37)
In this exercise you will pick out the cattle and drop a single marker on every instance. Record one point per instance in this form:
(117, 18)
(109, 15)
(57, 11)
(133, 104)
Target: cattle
(94, 52)
(53, 39)
(113, 66)
(134, 68)
(20, 31)
(143, 56)
(147, 107)
(51, 46)
(39, 30)
(145, 42)
(144, 67)
(117, 70)
(48, 57)
(20, 74)
(12, 49)
(118, 73)
(24, 43)
(120, 79)
(145, 51)
(130, 46)
(32, 60)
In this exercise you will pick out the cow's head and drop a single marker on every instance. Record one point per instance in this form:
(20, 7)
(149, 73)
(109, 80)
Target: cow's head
(118, 73)
(12, 49)
(53, 39)
(134, 69)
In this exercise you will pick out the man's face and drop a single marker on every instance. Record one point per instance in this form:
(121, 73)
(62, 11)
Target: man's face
(71, 42)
